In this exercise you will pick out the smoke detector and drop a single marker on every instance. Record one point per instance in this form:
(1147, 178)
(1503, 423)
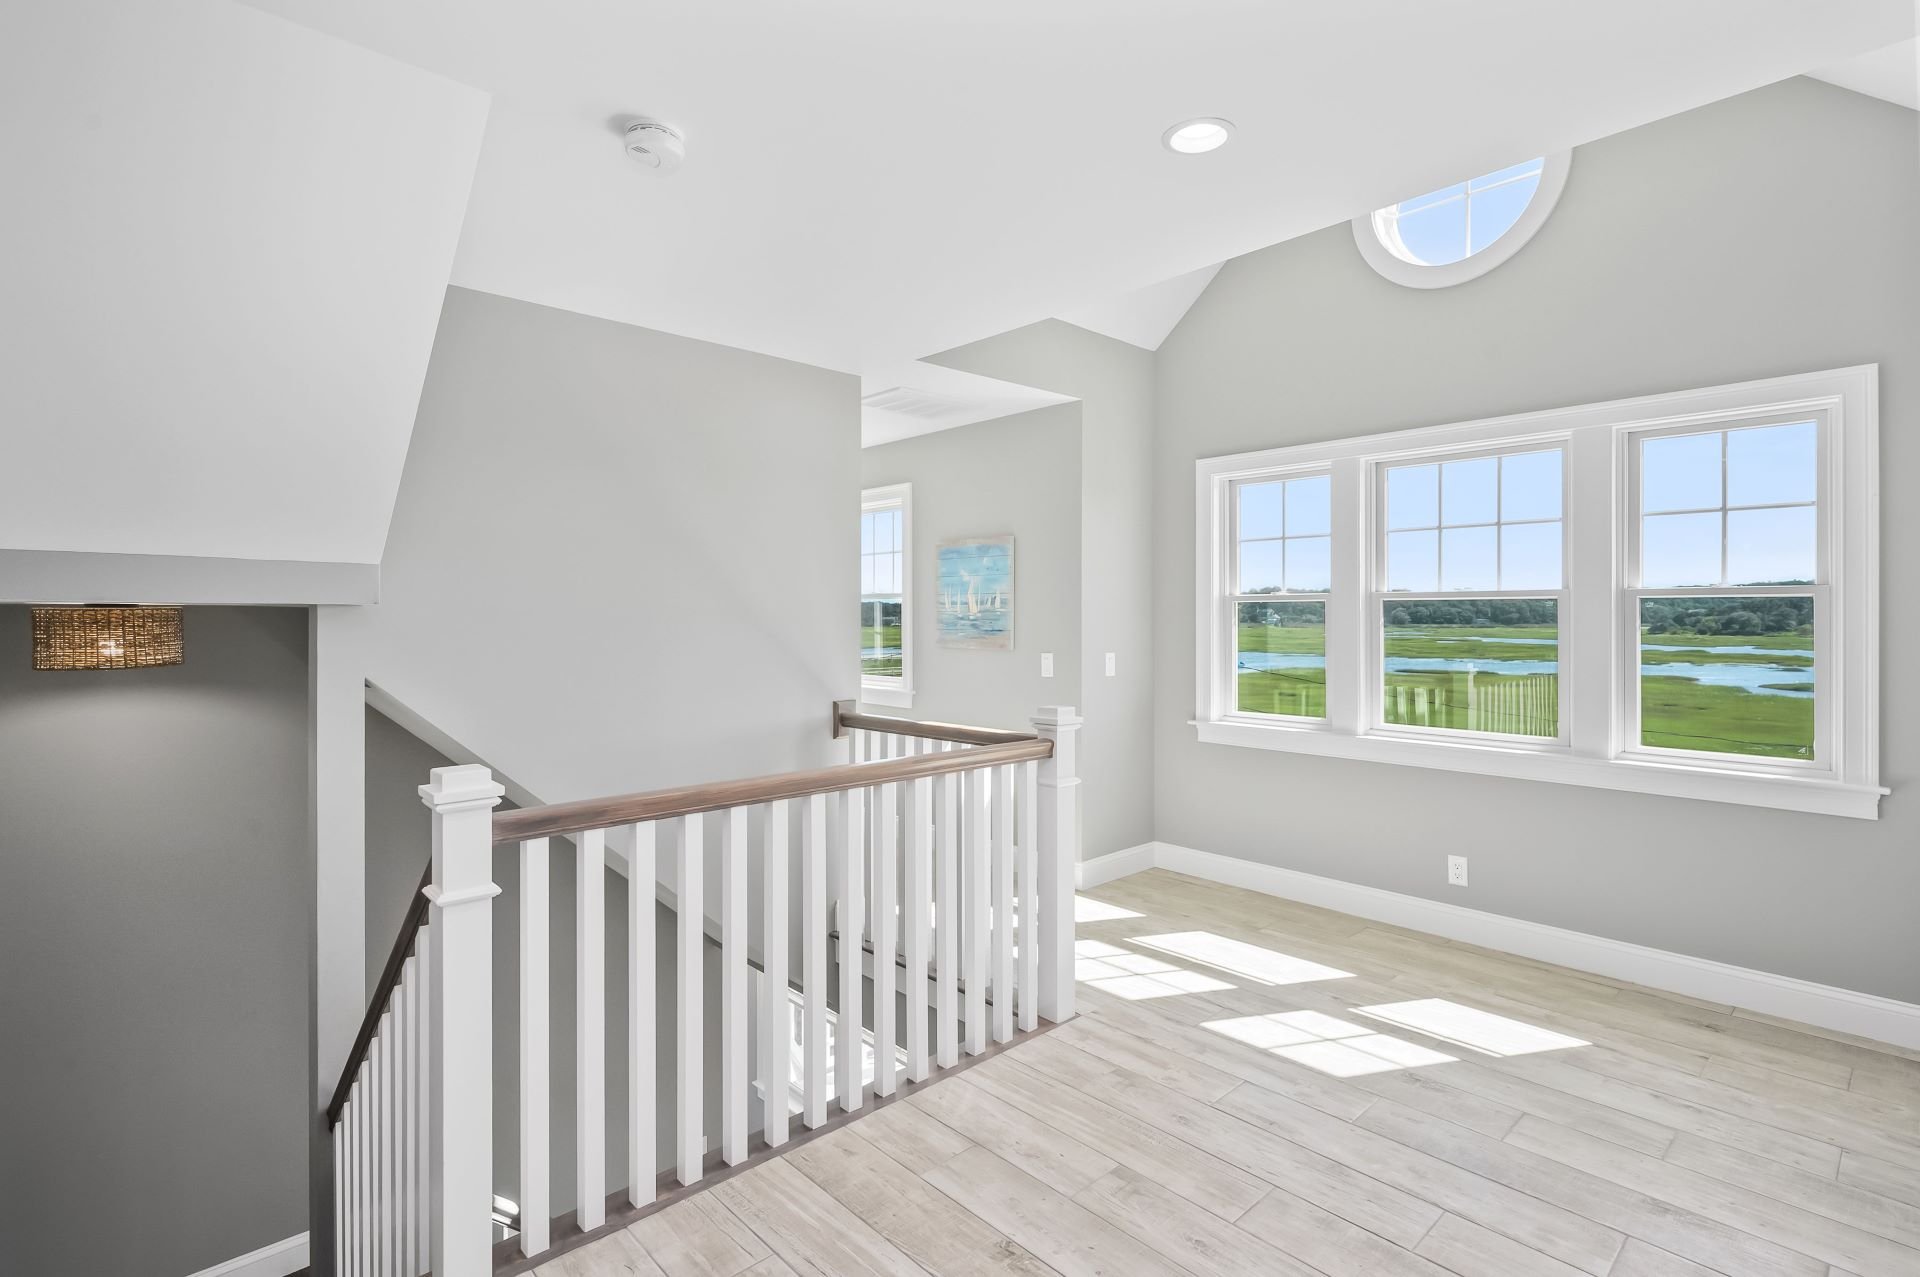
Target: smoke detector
(654, 145)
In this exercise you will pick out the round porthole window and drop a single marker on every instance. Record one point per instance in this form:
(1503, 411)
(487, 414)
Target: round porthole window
(1462, 231)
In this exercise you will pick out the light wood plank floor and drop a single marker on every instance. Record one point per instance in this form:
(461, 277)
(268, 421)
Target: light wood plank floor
(1255, 1086)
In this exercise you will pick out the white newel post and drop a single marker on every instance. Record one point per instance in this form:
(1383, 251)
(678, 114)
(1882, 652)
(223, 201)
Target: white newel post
(461, 1064)
(1059, 848)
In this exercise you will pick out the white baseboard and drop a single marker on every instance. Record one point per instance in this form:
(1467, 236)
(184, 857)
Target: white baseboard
(1115, 864)
(277, 1260)
(1842, 1010)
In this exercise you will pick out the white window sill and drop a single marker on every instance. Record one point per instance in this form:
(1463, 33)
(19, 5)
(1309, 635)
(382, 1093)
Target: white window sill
(889, 694)
(1677, 780)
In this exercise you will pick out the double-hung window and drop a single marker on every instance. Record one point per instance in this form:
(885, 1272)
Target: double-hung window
(1282, 539)
(1673, 594)
(886, 568)
(1470, 592)
(1728, 600)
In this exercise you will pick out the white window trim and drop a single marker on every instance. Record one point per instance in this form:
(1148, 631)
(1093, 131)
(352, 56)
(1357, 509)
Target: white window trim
(1553, 181)
(896, 693)
(1595, 636)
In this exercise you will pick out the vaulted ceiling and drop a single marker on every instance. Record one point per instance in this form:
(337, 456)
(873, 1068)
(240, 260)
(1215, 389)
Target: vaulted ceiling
(869, 180)
(230, 226)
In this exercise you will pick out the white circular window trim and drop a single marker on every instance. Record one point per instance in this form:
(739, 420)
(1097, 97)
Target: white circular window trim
(1553, 180)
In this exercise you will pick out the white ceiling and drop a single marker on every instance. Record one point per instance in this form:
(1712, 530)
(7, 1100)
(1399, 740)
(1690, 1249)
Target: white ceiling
(1892, 73)
(229, 236)
(913, 398)
(869, 181)
(227, 241)
(1145, 316)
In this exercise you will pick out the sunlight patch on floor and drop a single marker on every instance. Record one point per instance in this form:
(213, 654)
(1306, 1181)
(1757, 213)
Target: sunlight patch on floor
(1327, 1043)
(1465, 1026)
(1250, 961)
(1087, 909)
(1135, 976)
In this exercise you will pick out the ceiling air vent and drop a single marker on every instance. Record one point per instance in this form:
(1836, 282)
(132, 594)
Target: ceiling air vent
(923, 404)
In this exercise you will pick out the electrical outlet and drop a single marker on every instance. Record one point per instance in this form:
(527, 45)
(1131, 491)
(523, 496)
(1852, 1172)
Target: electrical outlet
(1110, 669)
(1046, 665)
(1456, 871)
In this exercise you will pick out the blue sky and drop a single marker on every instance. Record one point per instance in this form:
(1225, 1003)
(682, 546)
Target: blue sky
(1457, 221)
(1686, 482)
(1495, 523)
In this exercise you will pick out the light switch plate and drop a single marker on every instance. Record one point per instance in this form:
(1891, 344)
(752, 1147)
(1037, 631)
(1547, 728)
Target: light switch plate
(1110, 665)
(1046, 665)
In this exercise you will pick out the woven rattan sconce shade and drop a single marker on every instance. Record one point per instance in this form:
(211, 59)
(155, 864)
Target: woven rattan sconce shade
(106, 638)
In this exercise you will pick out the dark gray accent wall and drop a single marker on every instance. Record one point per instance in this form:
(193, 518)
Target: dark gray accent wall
(155, 907)
(1767, 234)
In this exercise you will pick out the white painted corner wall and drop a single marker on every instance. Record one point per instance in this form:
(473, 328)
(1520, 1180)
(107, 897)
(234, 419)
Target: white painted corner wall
(1825, 1006)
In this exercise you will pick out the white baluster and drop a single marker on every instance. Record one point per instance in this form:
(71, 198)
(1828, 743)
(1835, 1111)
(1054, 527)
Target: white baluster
(590, 1022)
(462, 799)
(846, 1041)
(371, 1158)
(363, 1143)
(1029, 896)
(733, 985)
(536, 1056)
(975, 908)
(1002, 869)
(946, 891)
(390, 1153)
(423, 1103)
(642, 980)
(397, 1148)
(397, 1127)
(886, 841)
(917, 797)
(360, 1196)
(364, 1161)
(813, 959)
(406, 1041)
(338, 1138)
(1059, 850)
(689, 943)
(382, 1112)
(776, 1023)
(348, 1205)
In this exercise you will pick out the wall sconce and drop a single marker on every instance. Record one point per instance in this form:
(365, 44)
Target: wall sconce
(106, 638)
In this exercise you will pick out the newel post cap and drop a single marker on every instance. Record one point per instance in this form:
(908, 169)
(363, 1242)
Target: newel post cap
(1056, 716)
(457, 788)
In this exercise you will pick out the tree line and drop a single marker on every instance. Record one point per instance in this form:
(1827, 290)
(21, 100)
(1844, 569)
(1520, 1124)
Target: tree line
(1785, 614)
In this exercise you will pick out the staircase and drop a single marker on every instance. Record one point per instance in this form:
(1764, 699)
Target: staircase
(930, 906)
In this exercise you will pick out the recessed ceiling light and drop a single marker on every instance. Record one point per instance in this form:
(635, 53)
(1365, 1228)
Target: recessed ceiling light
(1196, 136)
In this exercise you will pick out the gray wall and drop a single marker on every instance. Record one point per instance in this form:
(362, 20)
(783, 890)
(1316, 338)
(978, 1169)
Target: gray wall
(620, 559)
(154, 935)
(1114, 383)
(399, 838)
(1768, 234)
(1021, 475)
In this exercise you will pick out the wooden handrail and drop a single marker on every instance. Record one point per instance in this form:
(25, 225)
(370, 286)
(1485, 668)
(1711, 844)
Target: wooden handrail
(994, 748)
(960, 733)
(382, 994)
(663, 804)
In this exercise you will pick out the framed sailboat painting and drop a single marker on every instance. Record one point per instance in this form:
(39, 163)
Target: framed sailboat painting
(974, 602)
